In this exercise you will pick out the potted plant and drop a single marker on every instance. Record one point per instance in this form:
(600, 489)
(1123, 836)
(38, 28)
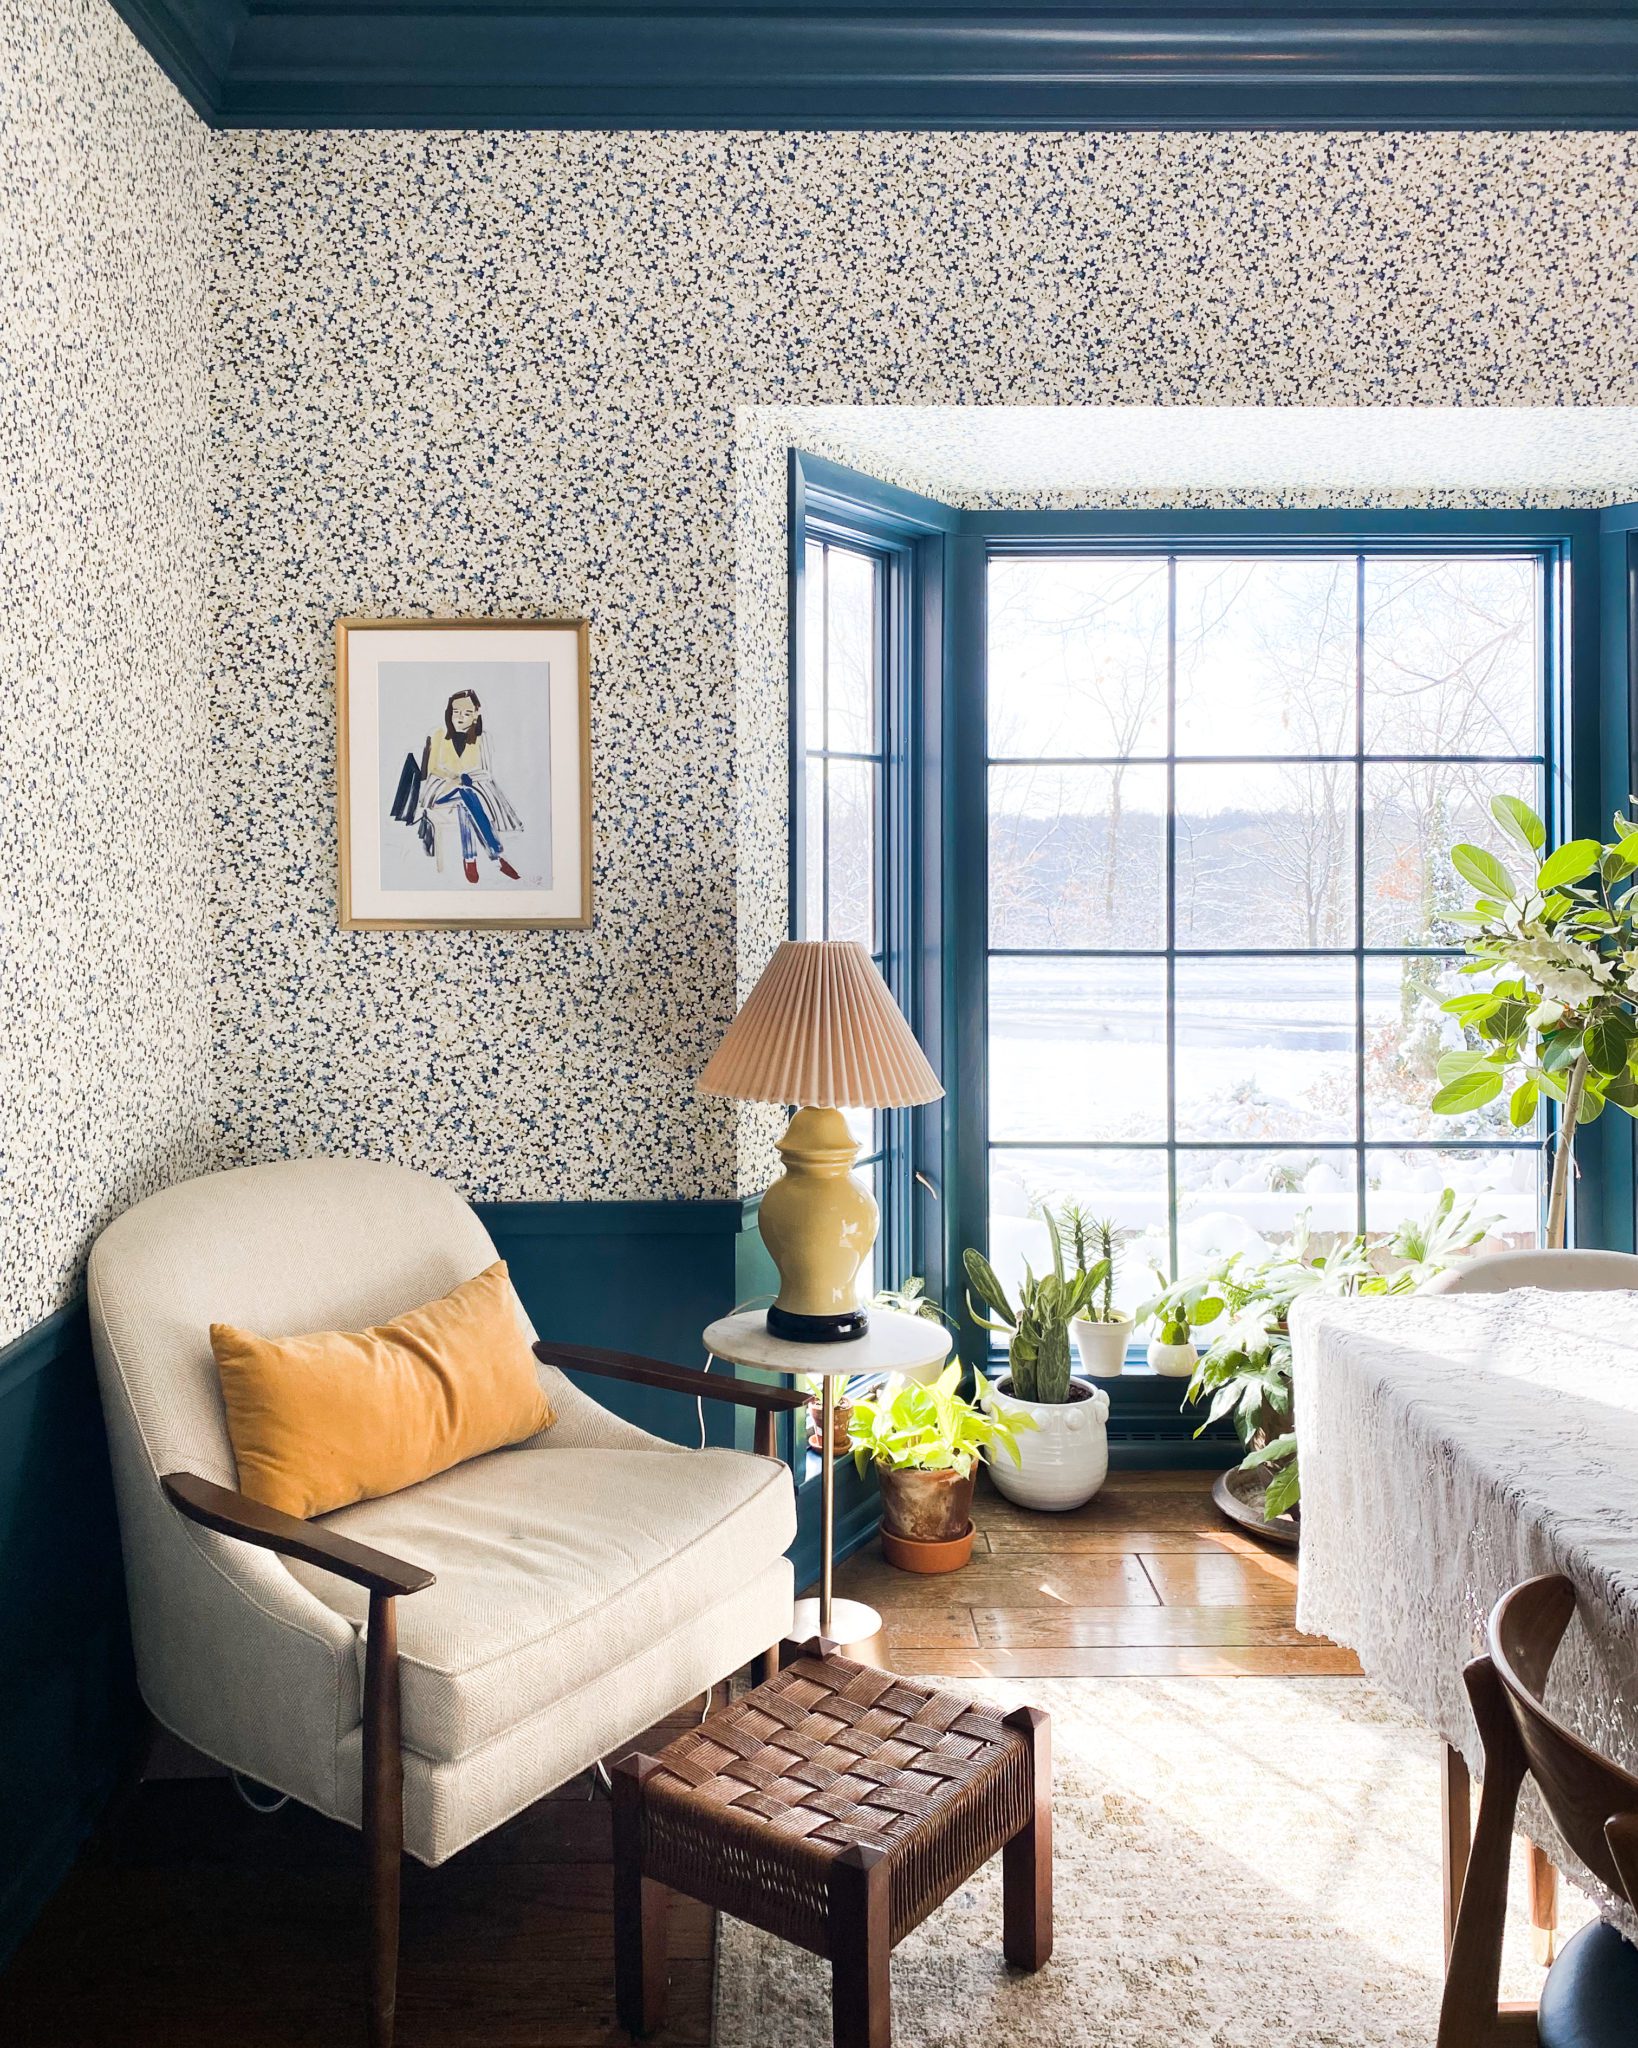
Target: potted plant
(1171, 1353)
(1246, 1371)
(926, 1443)
(1063, 1460)
(1101, 1331)
(841, 1416)
(1561, 1017)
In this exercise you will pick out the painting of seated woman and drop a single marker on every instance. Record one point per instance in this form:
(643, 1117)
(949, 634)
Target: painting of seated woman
(465, 777)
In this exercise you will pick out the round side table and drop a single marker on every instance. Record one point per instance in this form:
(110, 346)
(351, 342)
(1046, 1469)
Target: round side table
(893, 1343)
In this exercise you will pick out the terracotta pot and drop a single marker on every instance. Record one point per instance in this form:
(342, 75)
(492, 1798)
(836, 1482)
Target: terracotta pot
(911, 1556)
(928, 1507)
(841, 1424)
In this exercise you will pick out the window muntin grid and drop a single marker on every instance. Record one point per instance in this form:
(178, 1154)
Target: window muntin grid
(1120, 766)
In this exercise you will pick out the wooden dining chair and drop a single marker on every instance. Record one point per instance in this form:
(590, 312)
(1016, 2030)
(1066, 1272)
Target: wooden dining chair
(1590, 1996)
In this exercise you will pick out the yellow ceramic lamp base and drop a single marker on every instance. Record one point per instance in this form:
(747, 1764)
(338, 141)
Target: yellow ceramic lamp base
(819, 1225)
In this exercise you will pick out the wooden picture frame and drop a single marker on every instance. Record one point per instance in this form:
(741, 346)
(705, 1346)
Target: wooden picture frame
(463, 774)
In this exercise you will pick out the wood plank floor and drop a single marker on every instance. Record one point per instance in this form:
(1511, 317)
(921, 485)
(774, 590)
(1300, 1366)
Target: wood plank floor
(190, 1920)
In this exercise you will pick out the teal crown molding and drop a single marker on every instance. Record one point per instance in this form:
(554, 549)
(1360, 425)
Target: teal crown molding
(919, 64)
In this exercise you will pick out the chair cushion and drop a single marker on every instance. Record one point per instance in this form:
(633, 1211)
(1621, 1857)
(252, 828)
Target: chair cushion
(554, 1565)
(321, 1421)
(1590, 1998)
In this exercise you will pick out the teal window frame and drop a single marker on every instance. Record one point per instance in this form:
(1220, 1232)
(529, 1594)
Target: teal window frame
(1590, 574)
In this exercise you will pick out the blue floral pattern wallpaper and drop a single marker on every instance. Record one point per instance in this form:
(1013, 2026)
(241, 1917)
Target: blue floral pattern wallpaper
(292, 377)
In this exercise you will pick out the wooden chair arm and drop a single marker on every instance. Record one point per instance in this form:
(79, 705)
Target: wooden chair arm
(674, 1379)
(231, 1514)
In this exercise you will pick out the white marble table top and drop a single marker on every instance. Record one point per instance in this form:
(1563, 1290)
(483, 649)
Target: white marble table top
(893, 1343)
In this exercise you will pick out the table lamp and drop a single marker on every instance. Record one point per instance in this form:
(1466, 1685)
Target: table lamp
(822, 1031)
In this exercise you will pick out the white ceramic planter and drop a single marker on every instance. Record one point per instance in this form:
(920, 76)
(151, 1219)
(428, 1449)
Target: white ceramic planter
(1173, 1361)
(1065, 1457)
(1102, 1346)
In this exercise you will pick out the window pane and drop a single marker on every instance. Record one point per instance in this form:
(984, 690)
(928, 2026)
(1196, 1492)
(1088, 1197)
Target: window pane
(1129, 1187)
(1452, 652)
(1405, 1033)
(1254, 1202)
(851, 671)
(851, 852)
(1265, 856)
(1506, 1187)
(863, 1124)
(1078, 1049)
(812, 907)
(1414, 813)
(1265, 656)
(1077, 657)
(1265, 1049)
(1078, 857)
(813, 647)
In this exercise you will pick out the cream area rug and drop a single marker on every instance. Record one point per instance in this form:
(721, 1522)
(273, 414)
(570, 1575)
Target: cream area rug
(1238, 1863)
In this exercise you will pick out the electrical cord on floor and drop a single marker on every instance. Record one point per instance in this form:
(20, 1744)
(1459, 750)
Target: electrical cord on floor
(255, 1805)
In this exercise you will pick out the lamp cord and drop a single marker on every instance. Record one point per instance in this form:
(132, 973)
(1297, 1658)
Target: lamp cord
(738, 1308)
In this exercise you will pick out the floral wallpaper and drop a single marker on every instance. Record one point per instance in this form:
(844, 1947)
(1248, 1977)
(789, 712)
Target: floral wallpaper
(106, 834)
(543, 373)
(556, 374)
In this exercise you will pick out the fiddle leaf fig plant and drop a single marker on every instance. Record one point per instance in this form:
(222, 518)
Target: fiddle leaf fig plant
(1560, 1018)
(908, 1427)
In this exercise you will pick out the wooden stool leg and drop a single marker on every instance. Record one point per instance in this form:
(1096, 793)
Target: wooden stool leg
(1543, 1907)
(1026, 1861)
(639, 1908)
(861, 1941)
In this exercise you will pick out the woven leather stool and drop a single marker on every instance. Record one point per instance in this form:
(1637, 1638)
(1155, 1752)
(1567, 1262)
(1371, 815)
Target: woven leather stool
(835, 1806)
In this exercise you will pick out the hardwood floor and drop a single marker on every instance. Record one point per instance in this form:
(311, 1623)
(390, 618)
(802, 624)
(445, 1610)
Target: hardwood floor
(192, 1921)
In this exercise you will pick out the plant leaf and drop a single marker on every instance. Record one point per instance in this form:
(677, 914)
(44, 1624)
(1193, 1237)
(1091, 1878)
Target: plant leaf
(1574, 859)
(1483, 870)
(1471, 1091)
(1608, 1039)
(1522, 1108)
(1520, 823)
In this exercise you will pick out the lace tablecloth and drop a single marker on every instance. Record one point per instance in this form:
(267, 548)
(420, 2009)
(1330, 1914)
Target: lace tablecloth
(1452, 1445)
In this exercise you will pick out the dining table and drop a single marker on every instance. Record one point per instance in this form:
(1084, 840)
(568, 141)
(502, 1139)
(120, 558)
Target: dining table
(1451, 1446)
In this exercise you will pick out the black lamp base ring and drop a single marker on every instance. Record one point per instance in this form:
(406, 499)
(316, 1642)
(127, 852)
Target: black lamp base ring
(838, 1329)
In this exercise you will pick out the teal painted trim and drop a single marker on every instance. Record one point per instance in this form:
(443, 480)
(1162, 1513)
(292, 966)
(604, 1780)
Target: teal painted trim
(918, 64)
(61, 1335)
(192, 43)
(622, 1219)
(68, 1705)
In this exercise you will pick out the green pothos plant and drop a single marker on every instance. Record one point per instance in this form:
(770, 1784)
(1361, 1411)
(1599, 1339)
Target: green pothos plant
(1560, 1016)
(1245, 1371)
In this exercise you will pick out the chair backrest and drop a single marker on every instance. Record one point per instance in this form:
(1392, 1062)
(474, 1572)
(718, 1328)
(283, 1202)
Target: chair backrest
(295, 1246)
(1566, 1272)
(1593, 1801)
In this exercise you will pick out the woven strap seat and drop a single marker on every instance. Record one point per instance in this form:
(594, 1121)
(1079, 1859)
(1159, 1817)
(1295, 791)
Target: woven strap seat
(751, 1809)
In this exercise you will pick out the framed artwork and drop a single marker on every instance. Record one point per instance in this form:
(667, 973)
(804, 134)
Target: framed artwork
(464, 768)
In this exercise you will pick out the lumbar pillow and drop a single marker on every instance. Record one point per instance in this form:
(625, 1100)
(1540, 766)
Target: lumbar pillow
(319, 1422)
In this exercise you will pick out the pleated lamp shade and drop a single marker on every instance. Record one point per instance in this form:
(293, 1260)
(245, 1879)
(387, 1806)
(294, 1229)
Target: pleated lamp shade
(821, 1030)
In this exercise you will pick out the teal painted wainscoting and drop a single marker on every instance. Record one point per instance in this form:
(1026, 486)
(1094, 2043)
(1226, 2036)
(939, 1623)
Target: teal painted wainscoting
(68, 1704)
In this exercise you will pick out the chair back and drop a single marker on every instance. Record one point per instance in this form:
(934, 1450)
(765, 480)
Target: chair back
(1593, 1801)
(1566, 1272)
(233, 1653)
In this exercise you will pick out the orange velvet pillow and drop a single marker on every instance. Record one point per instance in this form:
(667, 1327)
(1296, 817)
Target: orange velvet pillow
(319, 1422)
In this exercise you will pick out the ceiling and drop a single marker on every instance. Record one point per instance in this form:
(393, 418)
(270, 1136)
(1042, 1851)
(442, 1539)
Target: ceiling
(899, 64)
(983, 455)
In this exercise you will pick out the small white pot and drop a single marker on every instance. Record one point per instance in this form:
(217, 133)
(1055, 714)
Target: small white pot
(1173, 1361)
(1102, 1345)
(1065, 1457)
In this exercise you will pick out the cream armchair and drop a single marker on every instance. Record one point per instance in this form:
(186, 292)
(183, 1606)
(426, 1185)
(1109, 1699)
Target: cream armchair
(567, 1592)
